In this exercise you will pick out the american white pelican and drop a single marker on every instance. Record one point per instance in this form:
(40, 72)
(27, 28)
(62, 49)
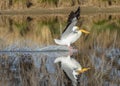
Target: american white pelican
(72, 32)
(71, 67)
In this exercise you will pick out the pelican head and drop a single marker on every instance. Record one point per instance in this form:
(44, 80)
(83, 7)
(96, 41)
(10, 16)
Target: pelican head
(79, 71)
(76, 30)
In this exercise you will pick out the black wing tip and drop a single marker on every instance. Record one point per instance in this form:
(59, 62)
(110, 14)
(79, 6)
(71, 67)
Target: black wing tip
(78, 9)
(77, 12)
(74, 14)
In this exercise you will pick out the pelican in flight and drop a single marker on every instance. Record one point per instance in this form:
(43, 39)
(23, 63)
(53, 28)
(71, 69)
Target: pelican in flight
(71, 67)
(72, 32)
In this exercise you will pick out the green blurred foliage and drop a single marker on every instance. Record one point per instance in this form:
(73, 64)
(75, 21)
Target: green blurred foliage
(22, 27)
(105, 25)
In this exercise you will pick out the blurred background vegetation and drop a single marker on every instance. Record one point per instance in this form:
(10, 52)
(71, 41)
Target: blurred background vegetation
(43, 29)
(22, 4)
(100, 50)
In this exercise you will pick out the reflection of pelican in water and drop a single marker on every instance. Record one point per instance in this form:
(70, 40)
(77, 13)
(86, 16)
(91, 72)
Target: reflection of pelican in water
(71, 67)
(72, 32)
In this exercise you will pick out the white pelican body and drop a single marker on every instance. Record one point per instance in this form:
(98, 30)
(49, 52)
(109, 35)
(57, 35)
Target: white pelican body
(71, 38)
(71, 67)
(71, 33)
(68, 65)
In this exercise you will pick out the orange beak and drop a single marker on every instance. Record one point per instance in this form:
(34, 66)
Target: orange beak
(84, 31)
(82, 70)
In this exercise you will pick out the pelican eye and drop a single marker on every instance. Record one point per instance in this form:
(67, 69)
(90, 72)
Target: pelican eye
(75, 69)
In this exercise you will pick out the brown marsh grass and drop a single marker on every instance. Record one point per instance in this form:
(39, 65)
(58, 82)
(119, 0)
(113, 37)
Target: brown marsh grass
(94, 53)
(43, 30)
(99, 50)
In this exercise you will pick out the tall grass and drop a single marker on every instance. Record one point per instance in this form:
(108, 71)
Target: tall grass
(43, 30)
(99, 50)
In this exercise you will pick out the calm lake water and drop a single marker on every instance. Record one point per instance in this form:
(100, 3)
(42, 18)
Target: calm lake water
(28, 51)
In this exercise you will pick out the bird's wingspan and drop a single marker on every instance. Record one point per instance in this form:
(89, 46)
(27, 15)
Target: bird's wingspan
(72, 20)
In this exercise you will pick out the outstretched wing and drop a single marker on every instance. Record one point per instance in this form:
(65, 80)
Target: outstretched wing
(68, 72)
(72, 21)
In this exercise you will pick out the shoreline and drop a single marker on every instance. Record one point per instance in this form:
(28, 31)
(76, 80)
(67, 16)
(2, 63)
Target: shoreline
(40, 11)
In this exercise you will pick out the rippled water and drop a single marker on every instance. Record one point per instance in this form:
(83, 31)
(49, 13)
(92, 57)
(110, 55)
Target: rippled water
(27, 50)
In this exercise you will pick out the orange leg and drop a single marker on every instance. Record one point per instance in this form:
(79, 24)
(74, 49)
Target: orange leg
(70, 50)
